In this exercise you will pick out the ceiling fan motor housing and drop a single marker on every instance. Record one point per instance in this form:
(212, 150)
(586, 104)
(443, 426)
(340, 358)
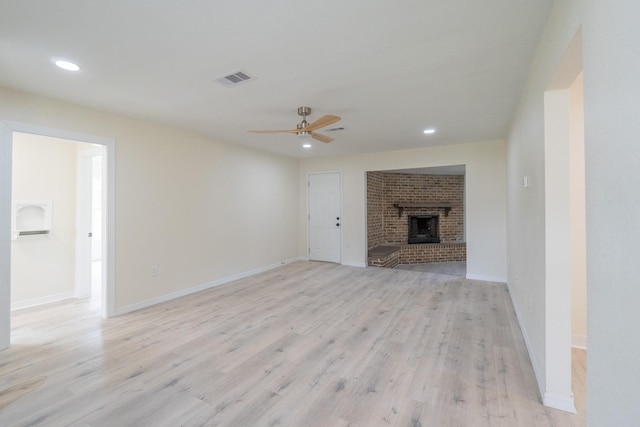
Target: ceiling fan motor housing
(304, 111)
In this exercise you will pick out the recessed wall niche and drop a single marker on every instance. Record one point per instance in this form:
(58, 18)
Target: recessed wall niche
(31, 218)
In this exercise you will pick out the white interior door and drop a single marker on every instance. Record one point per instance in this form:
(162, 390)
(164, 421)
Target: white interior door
(325, 216)
(89, 224)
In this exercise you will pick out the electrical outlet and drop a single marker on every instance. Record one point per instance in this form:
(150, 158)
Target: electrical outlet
(154, 271)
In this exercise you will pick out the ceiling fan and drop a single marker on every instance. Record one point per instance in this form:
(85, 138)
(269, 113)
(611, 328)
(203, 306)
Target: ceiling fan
(304, 128)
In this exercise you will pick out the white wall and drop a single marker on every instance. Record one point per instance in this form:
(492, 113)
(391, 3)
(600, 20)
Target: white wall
(527, 228)
(484, 192)
(557, 250)
(577, 215)
(200, 210)
(42, 268)
(612, 151)
(612, 154)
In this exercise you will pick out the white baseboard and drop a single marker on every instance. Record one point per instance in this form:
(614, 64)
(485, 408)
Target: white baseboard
(527, 342)
(579, 341)
(44, 300)
(551, 400)
(484, 278)
(354, 264)
(559, 402)
(204, 286)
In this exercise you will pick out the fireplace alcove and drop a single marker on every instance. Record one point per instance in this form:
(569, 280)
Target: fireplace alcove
(437, 203)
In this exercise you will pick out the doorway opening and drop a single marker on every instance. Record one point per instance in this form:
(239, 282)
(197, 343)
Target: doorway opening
(45, 267)
(565, 235)
(90, 224)
(50, 265)
(416, 219)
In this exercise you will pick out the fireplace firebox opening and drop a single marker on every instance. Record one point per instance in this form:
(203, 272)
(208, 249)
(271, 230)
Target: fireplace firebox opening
(424, 229)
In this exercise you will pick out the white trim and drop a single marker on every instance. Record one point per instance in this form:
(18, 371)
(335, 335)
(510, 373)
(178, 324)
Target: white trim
(5, 234)
(579, 341)
(527, 342)
(560, 402)
(202, 287)
(108, 297)
(57, 133)
(355, 264)
(552, 401)
(485, 278)
(42, 300)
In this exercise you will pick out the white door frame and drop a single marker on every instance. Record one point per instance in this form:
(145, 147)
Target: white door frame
(309, 211)
(6, 144)
(559, 258)
(84, 215)
(5, 233)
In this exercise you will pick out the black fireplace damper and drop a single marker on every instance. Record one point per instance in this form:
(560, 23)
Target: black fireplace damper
(424, 229)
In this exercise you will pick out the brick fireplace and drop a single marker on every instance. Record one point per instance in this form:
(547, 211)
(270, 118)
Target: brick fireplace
(423, 229)
(435, 205)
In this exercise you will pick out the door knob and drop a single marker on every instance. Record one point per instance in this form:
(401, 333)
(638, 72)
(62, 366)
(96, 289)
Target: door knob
(338, 225)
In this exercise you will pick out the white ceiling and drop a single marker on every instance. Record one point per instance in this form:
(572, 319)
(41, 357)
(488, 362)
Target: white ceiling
(390, 69)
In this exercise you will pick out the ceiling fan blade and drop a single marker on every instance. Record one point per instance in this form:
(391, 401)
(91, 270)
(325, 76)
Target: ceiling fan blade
(322, 122)
(320, 137)
(275, 131)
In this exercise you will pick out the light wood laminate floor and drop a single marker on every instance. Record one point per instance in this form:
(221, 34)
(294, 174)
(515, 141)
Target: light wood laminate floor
(307, 344)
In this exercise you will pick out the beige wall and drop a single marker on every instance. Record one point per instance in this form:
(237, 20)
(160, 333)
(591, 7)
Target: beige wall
(42, 268)
(198, 209)
(484, 191)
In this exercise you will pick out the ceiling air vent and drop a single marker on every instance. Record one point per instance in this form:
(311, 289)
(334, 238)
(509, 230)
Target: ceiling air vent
(235, 79)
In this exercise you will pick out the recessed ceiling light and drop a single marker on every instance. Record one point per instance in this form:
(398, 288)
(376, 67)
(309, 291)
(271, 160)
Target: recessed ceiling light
(306, 145)
(429, 131)
(66, 65)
